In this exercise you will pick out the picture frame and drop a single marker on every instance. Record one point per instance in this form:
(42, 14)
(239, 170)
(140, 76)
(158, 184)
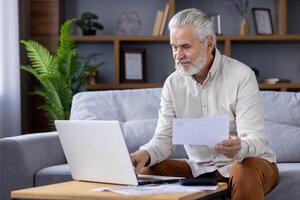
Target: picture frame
(263, 21)
(216, 19)
(133, 65)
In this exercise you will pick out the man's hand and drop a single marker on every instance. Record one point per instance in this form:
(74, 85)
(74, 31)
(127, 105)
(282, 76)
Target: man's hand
(229, 147)
(139, 159)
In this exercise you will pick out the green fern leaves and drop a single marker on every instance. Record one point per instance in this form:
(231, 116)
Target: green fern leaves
(60, 76)
(40, 58)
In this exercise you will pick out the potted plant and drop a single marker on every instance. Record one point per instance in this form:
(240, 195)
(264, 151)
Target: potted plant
(60, 76)
(88, 24)
(91, 69)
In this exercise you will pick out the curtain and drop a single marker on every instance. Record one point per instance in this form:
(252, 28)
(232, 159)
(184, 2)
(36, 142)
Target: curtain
(10, 108)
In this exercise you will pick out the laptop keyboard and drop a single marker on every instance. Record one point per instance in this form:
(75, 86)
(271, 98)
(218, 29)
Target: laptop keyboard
(146, 178)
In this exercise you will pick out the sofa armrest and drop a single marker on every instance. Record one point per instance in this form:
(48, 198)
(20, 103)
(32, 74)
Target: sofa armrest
(22, 156)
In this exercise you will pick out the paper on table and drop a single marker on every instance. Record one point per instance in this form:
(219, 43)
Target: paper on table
(204, 131)
(154, 189)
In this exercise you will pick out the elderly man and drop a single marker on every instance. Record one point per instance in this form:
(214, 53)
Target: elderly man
(207, 84)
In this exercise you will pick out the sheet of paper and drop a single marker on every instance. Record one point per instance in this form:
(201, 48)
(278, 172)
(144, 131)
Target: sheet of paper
(204, 131)
(154, 189)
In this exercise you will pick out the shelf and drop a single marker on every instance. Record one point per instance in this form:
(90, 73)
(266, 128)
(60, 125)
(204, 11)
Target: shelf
(165, 38)
(112, 38)
(261, 37)
(141, 38)
(114, 86)
(279, 86)
(94, 38)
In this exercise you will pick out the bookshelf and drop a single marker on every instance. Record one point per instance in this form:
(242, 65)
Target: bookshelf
(44, 18)
(227, 43)
(227, 39)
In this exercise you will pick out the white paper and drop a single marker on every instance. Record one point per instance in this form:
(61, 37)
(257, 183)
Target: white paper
(154, 189)
(204, 131)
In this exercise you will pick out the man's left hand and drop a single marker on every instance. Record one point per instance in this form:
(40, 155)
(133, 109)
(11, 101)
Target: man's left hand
(229, 147)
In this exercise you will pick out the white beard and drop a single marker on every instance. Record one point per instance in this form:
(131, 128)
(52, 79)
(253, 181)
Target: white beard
(195, 66)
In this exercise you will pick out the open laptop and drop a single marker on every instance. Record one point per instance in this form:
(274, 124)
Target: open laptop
(96, 151)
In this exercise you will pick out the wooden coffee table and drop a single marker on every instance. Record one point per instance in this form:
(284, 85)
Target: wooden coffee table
(76, 190)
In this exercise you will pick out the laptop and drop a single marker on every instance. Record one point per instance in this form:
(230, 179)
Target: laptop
(96, 151)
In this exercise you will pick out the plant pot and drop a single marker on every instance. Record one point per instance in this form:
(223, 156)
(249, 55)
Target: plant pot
(91, 77)
(244, 27)
(89, 32)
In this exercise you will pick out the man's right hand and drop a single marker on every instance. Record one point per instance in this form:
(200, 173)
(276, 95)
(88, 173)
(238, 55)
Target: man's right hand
(139, 159)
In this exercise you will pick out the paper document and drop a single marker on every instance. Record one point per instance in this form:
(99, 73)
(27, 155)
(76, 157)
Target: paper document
(204, 131)
(154, 189)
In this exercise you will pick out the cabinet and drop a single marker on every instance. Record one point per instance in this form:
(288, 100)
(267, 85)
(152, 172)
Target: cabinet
(233, 45)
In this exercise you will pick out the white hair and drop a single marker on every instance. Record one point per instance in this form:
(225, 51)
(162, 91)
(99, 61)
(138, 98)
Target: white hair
(198, 19)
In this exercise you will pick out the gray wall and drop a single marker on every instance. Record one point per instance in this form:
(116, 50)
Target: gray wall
(269, 57)
(293, 16)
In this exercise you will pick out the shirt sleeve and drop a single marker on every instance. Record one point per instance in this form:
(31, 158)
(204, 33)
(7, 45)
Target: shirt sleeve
(160, 146)
(249, 118)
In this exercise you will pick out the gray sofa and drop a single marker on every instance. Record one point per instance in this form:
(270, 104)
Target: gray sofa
(38, 159)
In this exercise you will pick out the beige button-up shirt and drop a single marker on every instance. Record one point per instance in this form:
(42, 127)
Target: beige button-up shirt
(229, 89)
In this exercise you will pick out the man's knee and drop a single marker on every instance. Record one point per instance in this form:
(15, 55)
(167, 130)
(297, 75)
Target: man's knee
(239, 174)
(245, 180)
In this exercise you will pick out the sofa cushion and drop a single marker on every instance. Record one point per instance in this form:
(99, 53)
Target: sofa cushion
(288, 185)
(53, 174)
(281, 107)
(124, 105)
(284, 140)
(139, 132)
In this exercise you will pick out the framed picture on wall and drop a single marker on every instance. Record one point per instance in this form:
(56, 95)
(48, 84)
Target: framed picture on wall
(263, 21)
(133, 65)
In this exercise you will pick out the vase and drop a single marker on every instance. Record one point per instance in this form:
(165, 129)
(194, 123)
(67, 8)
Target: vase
(89, 32)
(91, 77)
(244, 27)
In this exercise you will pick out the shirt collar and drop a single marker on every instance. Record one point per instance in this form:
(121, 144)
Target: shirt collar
(215, 64)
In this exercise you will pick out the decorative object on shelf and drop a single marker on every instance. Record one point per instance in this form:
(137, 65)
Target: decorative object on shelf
(244, 27)
(133, 65)
(60, 76)
(242, 7)
(263, 21)
(275, 80)
(157, 22)
(216, 18)
(164, 20)
(129, 23)
(161, 21)
(91, 76)
(88, 24)
(91, 70)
